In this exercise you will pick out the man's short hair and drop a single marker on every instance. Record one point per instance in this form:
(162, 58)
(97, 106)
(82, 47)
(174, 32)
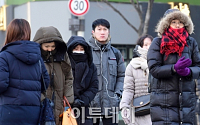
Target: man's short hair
(102, 22)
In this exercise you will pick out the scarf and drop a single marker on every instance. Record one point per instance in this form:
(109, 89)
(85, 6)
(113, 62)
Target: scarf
(173, 41)
(141, 62)
(47, 54)
(80, 68)
(79, 57)
(142, 52)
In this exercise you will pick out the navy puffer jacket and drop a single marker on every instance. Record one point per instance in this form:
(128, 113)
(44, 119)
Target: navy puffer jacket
(20, 83)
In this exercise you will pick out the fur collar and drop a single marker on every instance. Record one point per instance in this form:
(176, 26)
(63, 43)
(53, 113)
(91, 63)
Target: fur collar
(164, 22)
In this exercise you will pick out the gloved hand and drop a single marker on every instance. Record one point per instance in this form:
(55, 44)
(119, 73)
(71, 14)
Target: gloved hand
(118, 94)
(183, 72)
(125, 117)
(182, 63)
(78, 103)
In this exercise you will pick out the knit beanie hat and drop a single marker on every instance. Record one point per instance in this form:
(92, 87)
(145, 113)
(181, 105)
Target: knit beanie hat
(169, 11)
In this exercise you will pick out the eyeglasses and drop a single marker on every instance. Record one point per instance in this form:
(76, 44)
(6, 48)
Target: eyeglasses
(173, 23)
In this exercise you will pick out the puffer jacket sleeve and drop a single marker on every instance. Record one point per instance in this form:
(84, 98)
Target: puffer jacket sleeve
(68, 86)
(90, 93)
(120, 75)
(45, 76)
(4, 74)
(129, 87)
(195, 68)
(154, 60)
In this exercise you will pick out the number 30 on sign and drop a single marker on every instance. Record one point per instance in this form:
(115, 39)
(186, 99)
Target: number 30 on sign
(78, 7)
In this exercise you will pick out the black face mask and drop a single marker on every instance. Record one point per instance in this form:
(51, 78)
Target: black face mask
(47, 54)
(79, 57)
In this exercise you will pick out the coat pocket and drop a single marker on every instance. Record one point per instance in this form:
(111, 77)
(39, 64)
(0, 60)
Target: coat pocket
(112, 67)
(96, 101)
(98, 66)
(98, 69)
(113, 98)
(112, 74)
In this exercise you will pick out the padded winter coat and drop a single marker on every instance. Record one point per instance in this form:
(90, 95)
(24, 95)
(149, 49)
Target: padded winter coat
(173, 97)
(110, 75)
(88, 87)
(60, 66)
(136, 85)
(20, 83)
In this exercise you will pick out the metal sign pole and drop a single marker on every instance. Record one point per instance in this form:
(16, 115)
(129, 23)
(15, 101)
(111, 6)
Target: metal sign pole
(74, 32)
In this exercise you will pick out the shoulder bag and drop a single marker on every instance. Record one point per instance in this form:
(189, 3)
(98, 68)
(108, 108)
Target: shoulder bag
(142, 105)
(67, 116)
(46, 111)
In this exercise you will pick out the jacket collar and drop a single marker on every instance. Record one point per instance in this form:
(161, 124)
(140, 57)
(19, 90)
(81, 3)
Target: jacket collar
(96, 45)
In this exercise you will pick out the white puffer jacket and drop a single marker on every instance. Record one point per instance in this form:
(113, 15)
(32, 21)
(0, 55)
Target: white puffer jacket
(136, 84)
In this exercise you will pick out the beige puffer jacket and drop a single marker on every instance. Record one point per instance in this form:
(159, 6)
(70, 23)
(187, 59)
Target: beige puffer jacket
(136, 84)
(60, 67)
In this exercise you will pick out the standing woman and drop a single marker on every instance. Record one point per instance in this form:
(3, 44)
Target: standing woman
(20, 76)
(174, 62)
(53, 51)
(136, 80)
(85, 76)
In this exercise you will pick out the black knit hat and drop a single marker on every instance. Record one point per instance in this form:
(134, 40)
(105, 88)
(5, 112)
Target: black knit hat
(169, 11)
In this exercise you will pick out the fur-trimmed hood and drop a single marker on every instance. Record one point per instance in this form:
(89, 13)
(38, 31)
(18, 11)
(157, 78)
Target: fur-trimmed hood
(164, 22)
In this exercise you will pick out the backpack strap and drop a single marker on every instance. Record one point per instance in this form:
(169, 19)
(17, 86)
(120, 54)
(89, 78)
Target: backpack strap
(115, 51)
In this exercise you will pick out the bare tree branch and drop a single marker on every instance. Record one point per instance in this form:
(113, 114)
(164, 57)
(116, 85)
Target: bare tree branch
(138, 5)
(138, 9)
(144, 23)
(121, 15)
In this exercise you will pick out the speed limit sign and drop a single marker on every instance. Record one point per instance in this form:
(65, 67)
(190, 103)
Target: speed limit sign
(78, 7)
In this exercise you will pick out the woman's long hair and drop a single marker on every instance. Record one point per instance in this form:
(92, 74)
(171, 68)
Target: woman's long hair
(18, 29)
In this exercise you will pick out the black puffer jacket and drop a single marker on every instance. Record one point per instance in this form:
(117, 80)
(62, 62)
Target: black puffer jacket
(86, 90)
(173, 97)
(85, 77)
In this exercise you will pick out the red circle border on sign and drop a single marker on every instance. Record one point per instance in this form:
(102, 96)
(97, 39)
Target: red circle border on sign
(80, 13)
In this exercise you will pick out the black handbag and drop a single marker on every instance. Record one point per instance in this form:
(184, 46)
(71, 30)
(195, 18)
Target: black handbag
(142, 105)
(46, 111)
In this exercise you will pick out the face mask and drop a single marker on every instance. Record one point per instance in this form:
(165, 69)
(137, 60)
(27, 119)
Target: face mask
(79, 52)
(47, 54)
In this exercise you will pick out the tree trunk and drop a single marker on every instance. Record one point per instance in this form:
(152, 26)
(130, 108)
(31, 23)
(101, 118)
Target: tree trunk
(147, 17)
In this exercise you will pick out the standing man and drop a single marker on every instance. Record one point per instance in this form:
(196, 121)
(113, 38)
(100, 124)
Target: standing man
(110, 71)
